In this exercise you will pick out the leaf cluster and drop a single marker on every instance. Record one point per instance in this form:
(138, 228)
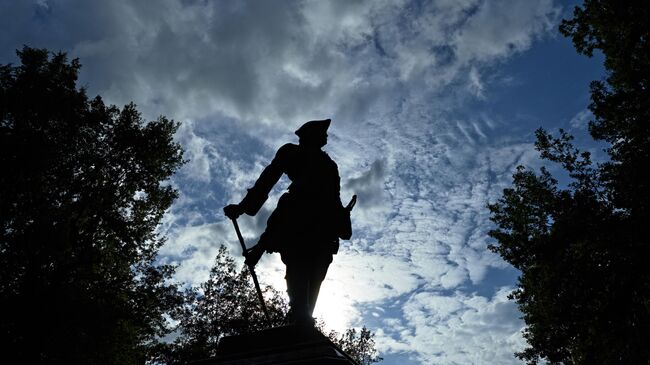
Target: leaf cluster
(359, 345)
(226, 304)
(582, 250)
(621, 102)
(577, 284)
(81, 194)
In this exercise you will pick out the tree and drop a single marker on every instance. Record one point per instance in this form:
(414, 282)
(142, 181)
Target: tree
(226, 304)
(81, 194)
(621, 102)
(359, 345)
(582, 250)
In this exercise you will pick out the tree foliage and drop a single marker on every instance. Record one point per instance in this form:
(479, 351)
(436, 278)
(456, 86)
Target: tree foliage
(360, 345)
(81, 193)
(582, 249)
(226, 304)
(621, 102)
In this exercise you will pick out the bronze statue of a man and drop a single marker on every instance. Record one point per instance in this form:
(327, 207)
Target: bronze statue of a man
(308, 221)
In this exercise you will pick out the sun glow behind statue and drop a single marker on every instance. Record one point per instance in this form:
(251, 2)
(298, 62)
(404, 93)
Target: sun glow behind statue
(335, 305)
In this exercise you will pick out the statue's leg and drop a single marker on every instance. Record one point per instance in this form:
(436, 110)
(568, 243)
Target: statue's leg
(316, 277)
(297, 277)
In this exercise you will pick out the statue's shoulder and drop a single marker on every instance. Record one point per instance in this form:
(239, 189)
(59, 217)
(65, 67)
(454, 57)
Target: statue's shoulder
(287, 152)
(288, 148)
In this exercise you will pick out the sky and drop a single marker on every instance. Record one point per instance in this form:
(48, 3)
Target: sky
(433, 105)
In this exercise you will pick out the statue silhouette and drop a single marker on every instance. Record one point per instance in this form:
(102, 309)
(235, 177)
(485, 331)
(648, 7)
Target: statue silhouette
(308, 221)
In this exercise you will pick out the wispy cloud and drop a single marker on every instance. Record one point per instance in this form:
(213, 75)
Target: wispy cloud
(581, 119)
(457, 328)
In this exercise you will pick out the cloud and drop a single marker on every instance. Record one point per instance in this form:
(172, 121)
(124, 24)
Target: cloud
(494, 31)
(457, 329)
(245, 60)
(369, 186)
(194, 249)
(475, 84)
(196, 152)
(581, 119)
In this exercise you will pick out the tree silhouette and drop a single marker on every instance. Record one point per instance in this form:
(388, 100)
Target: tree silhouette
(226, 304)
(582, 250)
(81, 193)
(360, 345)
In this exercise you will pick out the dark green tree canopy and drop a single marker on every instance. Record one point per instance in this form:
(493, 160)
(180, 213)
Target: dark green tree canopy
(583, 249)
(621, 102)
(360, 345)
(81, 194)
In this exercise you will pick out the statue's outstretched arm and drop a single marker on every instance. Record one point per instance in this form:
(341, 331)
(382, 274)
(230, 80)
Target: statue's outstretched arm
(258, 194)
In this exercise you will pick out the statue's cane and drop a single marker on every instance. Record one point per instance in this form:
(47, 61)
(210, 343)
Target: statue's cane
(251, 269)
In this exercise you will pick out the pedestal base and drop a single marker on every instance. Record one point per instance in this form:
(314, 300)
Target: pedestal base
(280, 345)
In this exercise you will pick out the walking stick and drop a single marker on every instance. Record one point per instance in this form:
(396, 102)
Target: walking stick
(251, 269)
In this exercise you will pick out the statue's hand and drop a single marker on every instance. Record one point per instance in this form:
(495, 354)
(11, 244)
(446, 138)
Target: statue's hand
(253, 256)
(233, 211)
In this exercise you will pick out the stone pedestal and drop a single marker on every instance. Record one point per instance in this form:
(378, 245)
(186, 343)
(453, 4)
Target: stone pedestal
(280, 345)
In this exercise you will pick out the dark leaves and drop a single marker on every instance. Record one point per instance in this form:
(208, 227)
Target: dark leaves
(226, 304)
(359, 345)
(82, 191)
(582, 250)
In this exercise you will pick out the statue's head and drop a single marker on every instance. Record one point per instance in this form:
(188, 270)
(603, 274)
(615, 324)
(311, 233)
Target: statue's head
(314, 133)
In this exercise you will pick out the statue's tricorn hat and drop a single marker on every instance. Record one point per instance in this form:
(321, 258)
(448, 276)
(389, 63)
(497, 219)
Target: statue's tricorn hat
(314, 127)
